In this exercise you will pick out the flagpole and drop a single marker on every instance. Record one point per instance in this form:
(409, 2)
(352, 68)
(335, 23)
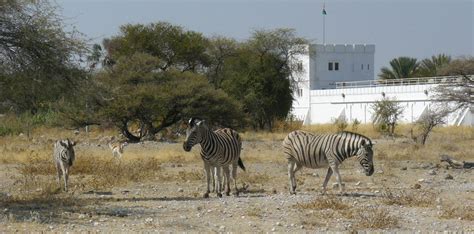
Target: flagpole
(324, 29)
(324, 23)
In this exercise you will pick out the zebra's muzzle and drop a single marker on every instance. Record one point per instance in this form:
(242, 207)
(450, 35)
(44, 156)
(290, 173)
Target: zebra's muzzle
(186, 147)
(370, 171)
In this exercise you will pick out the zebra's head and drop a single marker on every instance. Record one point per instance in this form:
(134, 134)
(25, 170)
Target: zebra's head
(193, 133)
(68, 145)
(365, 156)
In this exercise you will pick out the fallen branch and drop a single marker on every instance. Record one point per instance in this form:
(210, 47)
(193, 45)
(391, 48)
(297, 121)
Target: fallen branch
(455, 163)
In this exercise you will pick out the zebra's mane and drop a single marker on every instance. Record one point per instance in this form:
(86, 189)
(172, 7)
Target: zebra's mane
(357, 134)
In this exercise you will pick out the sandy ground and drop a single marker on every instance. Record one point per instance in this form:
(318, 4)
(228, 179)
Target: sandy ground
(265, 205)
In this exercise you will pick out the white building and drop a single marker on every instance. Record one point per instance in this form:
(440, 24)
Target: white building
(338, 82)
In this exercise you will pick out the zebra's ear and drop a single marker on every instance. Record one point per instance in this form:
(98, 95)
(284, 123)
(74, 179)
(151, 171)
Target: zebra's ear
(363, 142)
(73, 143)
(61, 142)
(201, 122)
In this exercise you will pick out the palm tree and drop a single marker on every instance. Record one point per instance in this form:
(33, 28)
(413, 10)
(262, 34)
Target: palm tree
(431, 67)
(401, 67)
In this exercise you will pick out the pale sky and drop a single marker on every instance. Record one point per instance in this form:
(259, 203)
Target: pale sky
(415, 28)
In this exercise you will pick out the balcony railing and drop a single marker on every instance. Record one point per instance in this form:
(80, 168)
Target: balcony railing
(398, 82)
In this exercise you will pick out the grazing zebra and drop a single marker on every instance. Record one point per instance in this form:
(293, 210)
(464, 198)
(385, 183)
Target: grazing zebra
(117, 148)
(219, 150)
(64, 157)
(316, 151)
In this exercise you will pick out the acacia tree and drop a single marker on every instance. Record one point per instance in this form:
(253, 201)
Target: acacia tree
(461, 92)
(434, 116)
(175, 47)
(36, 54)
(135, 94)
(386, 114)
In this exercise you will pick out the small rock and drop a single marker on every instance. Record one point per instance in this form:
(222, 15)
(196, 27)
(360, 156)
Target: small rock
(403, 168)
(278, 224)
(448, 177)
(421, 180)
(358, 183)
(273, 229)
(222, 227)
(82, 216)
(96, 224)
(180, 190)
(148, 220)
(432, 172)
(416, 186)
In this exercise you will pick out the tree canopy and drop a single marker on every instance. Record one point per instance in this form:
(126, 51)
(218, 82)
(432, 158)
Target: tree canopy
(36, 54)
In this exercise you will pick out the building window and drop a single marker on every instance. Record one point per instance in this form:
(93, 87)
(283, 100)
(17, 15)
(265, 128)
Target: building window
(330, 66)
(299, 92)
(300, 66)
(336, 66)
(368, 66)
(362, 67)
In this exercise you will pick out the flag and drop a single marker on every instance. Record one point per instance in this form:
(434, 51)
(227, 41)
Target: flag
(324, 12)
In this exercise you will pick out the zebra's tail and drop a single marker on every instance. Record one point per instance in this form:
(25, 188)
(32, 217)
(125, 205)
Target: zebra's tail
(241, 164)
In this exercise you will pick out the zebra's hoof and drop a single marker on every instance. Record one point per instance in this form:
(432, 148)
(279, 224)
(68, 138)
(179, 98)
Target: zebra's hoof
(206, 195)
(219, 194)
(227, 193)
(236, 194)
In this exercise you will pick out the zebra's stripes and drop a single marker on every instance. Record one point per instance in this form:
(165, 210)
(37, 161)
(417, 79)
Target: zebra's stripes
(316, 151)
(219, 150)
(63, 156)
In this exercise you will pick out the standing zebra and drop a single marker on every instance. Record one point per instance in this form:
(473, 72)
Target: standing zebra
(316, 151)
(219, 150)
(64, 157)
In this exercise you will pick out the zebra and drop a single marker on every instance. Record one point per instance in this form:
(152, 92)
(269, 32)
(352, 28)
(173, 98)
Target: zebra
(63, 156)
(219, 149)
(319, 150)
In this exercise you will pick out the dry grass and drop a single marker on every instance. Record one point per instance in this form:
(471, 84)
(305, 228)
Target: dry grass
(253, 178)
(419, 198)
(457, 212)
(328, 202)
(374, 218)
(255, 212)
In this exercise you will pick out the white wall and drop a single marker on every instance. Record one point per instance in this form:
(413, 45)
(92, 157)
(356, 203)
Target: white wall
(355, 63)
(356, 103)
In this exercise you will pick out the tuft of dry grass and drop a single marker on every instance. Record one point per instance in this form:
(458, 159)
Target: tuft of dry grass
(374, 218)
(255, 212)
(328, 202)
(253, 178)
(413, 199)
(457, 212)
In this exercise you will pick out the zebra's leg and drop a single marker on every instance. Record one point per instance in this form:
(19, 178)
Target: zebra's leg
(234, 178)
(207, 169)
(226, 180)
(338, 177)
(65, 175)
(213, 179)
(58, 168)
(291, 176)
(326, 180)
(219, 181)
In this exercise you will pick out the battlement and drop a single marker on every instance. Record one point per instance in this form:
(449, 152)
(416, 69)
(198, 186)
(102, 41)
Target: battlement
(344, 48)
